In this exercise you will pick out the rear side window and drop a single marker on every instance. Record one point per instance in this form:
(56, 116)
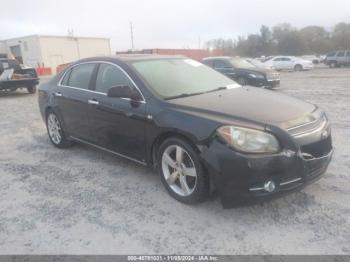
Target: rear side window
(222, 64)
(348, 53)
(109, 76)
(277, 59)
(66, 78)
(80, 76)
(341, 54)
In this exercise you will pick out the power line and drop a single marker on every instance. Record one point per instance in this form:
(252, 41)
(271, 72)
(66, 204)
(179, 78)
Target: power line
(132, 37)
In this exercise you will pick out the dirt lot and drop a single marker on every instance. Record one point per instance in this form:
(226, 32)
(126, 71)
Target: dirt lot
(83, 201)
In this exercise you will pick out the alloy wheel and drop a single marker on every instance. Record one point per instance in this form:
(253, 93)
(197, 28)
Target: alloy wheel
(54, 128)
(179, 170)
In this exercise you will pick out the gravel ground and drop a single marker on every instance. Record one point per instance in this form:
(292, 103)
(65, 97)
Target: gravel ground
(84, 201)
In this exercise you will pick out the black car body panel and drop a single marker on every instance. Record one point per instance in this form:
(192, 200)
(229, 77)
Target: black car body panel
(269, 78)
(134, 129)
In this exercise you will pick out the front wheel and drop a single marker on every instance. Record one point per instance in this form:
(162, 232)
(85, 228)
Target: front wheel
(181, 171)
(242, 81)
(31, 89)
(55, 131)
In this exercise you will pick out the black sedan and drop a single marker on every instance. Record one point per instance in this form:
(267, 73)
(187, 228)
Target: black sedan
(197, 127)
(243, 72)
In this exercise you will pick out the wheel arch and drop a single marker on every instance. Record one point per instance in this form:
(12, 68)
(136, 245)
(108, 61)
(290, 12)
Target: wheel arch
(165, 135)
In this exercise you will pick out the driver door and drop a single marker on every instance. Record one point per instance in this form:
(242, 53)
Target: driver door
(117, 124)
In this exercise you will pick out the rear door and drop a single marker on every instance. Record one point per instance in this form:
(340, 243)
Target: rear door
(72, 96)
(341, 58)
(117, 124)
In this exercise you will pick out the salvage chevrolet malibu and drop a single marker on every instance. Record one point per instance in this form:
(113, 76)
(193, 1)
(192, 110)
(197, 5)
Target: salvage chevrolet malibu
(198, 128)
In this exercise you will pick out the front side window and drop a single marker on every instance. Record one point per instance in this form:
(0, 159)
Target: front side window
(175, 76)
(80, 76)
(110, 76)
(341, 54)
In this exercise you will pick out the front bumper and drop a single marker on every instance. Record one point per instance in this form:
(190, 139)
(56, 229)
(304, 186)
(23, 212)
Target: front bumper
(240, 178)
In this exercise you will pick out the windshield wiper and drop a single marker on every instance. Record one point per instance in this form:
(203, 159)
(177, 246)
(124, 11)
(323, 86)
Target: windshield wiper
(217, 89)
(183, 95)
(194, 94)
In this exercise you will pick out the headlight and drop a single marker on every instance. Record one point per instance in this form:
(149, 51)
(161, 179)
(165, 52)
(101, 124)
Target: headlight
(249, 140)
(256, 75)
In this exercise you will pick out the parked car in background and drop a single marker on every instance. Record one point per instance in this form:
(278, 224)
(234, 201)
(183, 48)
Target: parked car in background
(312, 58)
(290, 63)
(338, 58)
(259, 64)
(244, 72)
(197, 127)
(13, 75)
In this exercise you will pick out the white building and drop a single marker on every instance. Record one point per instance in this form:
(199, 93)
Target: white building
(51, 51)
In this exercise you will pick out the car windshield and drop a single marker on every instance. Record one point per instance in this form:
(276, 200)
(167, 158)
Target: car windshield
(241, 63)
(178, 77)
(255, 62)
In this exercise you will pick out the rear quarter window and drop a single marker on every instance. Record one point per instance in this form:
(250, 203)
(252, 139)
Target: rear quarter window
(80, 76)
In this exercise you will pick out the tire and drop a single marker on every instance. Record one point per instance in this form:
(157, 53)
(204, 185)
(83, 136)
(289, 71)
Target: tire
(298, 68)
(31, 89)
(333, 64)
(242, 81)
(55, 131)
(190, 186)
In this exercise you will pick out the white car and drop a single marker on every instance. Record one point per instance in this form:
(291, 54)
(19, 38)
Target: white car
(290, 63)
(314, 59)
(259, 64)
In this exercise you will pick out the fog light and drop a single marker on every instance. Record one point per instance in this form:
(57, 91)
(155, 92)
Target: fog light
(269, 186)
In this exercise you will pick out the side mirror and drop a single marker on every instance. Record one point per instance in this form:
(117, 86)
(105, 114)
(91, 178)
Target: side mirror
(124, 92)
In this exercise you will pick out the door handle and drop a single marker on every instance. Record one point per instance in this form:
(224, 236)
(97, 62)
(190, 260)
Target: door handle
(58, 94)
(93, 102)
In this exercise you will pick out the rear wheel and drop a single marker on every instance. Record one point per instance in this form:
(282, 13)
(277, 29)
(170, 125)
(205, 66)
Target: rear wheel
(31, 89)
(55, 131)
(181, 171)
(298, 68)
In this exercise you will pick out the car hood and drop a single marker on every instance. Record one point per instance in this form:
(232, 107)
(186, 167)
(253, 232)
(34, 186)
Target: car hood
(247, 104)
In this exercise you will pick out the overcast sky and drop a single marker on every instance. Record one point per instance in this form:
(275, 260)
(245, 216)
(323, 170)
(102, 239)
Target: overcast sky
(163, 23)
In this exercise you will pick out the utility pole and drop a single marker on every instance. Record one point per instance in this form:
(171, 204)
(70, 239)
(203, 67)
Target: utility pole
(132, 37)
(199, 42)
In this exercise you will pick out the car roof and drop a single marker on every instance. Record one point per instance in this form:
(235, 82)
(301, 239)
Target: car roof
(130, 57)
(216, 57)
